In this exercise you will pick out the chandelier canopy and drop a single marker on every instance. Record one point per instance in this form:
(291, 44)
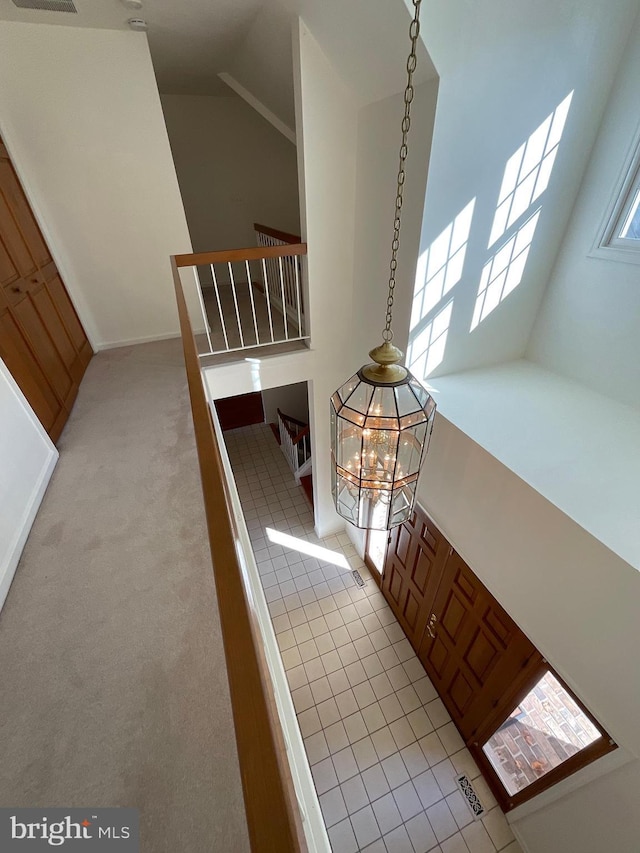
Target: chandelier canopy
(381, 418)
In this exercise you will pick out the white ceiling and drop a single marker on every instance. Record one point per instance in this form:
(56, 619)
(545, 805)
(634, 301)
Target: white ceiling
(192, 41)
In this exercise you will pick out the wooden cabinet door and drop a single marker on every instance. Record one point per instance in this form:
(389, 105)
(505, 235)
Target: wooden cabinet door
(415, 560)
(41, 338)
(473, 651)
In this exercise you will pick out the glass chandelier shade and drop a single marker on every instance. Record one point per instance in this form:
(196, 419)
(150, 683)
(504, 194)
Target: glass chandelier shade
(379, 433)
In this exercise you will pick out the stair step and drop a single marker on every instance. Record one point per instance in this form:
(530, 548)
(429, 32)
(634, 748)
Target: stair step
(276, 431)
(307, 485)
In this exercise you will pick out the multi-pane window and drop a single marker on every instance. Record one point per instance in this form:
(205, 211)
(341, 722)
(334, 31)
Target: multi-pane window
(622, 229)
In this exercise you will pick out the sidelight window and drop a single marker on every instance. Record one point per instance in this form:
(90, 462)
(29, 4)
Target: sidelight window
(376, 549)
(546, 735)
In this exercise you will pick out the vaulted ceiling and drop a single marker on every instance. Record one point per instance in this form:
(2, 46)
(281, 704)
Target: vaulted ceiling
(192, 41)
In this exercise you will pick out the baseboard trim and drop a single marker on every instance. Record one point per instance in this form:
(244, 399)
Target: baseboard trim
(14, 552)
(129, 342)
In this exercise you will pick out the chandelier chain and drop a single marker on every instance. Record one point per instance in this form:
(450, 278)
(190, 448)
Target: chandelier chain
(414, 32)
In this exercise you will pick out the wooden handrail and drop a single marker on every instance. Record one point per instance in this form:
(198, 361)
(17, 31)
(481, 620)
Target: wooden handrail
(277, 235)
(273, 816)
(253, 253)
(303, 434)
(296, 438)
(293, 420)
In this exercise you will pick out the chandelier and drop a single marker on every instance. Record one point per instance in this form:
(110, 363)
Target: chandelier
(382, 417)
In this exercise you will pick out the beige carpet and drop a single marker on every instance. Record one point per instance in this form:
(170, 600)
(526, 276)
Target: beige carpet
(112, 674)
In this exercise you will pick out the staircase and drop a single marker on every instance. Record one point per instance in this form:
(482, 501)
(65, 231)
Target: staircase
(295, 442)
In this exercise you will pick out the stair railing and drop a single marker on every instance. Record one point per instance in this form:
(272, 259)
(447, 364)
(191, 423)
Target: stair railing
(282, 275)
(248, 297)
(295, 443)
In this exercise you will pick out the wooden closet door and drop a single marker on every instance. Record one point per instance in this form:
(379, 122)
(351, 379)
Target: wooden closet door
(41, 338)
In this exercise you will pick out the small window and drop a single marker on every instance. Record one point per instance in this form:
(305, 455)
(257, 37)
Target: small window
(546, 735)
(620, 237)
(626, 231)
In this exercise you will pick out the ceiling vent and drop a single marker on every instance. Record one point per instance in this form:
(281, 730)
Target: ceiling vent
(46, 5)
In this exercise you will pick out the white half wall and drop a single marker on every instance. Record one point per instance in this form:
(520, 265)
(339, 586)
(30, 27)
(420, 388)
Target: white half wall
(573, 597)
(588, 324)
(327, 127)
(233, 168)
(81, 116)
(579, 449)
(27, 460)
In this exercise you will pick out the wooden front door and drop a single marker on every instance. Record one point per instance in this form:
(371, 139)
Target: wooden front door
(41, 339)
(416, 557)
(473, 651)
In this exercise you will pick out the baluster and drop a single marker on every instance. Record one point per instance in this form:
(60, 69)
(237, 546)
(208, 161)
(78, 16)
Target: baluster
(253, 307)
(284, 303)
(235, 302)
(298, 299)
(217, 292)
(266, 291)
(203, 309)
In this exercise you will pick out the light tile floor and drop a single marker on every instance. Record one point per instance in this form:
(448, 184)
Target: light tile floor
(382, 748)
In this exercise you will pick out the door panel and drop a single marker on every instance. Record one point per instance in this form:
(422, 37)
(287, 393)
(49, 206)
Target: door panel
(19, 359)
(415, 560)
(43, 348)
(58, 333)
(475, 653)
(12, 238)
(8, 271)
(22, 215)
(67, 312)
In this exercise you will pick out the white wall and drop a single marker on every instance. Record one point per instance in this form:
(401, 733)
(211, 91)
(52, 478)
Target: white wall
(27, 460)
(81, 117)
(234, 169)
(588, 323)
(290, 399)
(504, 66)
(379, 137)
(574, 598)
(326, 122)
(600, 816)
